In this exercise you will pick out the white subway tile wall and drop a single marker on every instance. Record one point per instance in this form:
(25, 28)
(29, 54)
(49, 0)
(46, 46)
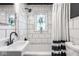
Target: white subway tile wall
(39, 41)
(74, 30)
(5, 10)
(22, 22)
(2, 34)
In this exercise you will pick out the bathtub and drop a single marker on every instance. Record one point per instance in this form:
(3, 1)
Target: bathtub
(72, 49)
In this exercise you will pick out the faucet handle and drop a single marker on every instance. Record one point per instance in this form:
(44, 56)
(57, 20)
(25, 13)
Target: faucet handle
(7, 43)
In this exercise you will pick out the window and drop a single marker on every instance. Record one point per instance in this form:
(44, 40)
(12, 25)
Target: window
(41, 22)
(11, 19)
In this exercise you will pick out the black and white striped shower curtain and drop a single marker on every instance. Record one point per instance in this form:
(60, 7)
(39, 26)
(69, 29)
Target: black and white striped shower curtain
(60, 20)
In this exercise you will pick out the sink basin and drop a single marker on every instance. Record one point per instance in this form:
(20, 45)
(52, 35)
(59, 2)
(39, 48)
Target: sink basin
(16, 46)
(15, 49)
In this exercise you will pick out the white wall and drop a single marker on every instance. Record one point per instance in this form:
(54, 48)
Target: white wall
(22, 22)
(5, 30)
(74, 30)
(39, 41)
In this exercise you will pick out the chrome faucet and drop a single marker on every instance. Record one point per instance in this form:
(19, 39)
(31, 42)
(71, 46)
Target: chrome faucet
(11, 41)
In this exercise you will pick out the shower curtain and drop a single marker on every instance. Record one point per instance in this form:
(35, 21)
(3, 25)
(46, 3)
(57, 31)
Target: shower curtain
(60, 20)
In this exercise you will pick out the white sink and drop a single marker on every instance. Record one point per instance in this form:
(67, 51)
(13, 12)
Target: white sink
(15, 49)
(16, 46)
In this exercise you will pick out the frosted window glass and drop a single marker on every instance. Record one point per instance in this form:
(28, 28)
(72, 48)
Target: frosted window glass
(41, 23)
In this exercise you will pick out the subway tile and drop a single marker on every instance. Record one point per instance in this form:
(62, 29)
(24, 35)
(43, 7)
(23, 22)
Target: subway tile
(8, 32)
(2, 34)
